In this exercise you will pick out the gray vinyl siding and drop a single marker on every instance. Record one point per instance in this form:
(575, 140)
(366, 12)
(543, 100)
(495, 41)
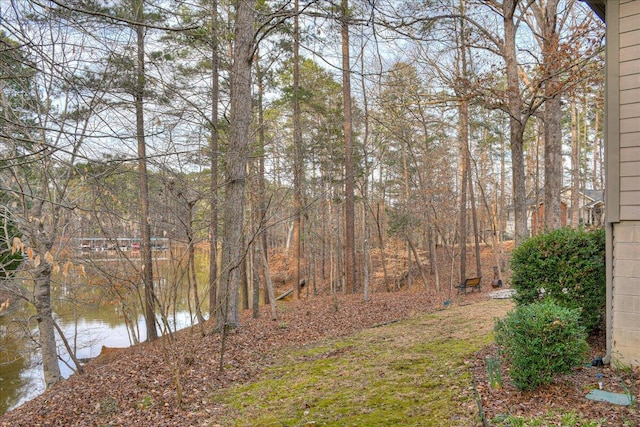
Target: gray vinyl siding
(629, 112)
(623, 180)
(626, 300)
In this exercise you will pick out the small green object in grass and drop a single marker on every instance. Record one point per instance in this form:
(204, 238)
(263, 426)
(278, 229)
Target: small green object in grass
(494, 372)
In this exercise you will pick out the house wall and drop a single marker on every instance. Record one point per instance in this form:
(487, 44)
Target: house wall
(537, 218)
(623, 180)
(629, 40)
(626, 300)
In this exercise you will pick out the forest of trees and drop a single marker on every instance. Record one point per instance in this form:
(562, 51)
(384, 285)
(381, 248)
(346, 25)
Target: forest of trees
(322, 131)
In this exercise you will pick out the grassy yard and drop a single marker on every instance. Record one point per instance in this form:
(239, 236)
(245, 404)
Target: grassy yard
(410, 373)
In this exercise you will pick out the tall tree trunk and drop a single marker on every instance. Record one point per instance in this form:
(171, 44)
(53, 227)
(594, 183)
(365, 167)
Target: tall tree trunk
(269, 285)
(404, 141)
(503, 184)
(474, 217)
(46, 329)
(298, 159)
(467, 180)
(324, 225)
(42, 242)
(192, 260)
(262, 203)
(236, 160)
(517, 122)
(380, 233)
(597, 173)
(552, 117)
(575, 166)
(538, 203)
(433, 255)
(255, 264)
(365, 185)
(552, 163)
(213, 179)
(463, 136)
(257, 180)
(143, 185)
(244, 280)
(349, 210)
(463, 129)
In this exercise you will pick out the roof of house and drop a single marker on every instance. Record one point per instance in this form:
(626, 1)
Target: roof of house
(598, 6)
(595, 196)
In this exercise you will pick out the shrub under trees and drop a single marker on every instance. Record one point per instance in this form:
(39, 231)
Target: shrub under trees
(566, 265)
(540, 340)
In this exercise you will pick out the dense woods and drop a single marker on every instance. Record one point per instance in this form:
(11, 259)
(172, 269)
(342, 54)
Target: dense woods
(288, 143)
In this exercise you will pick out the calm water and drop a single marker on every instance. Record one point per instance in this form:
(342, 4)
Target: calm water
(21, 376)
(87, 326)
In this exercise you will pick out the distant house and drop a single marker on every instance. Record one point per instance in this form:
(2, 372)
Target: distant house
(622, 140)
(591, 210)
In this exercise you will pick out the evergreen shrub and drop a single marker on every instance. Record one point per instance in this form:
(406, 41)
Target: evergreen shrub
(567, 265)
(539, 341)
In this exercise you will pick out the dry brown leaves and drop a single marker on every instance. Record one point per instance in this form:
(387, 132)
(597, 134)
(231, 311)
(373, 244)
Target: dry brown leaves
(565, 395)
(140, 387)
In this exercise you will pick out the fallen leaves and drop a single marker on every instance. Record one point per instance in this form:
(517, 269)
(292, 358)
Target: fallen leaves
(559, 400)
(138, 386)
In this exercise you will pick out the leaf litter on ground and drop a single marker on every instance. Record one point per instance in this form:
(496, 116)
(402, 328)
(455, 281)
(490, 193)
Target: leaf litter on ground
(361, 349)
(137, 386)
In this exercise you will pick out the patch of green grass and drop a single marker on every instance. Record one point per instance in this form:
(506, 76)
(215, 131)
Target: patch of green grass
(145, 403)
(562, 419)
(318, 350)
(401, 374)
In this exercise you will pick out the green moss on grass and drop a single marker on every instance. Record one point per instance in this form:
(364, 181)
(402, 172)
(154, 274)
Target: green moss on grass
(400, 374)
(555, 418)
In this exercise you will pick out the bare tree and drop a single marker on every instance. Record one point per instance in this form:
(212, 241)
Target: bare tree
(42, 143)
(549, 24)
(233, 250)
(518, 118)
(213, 148)
(349, 179)
(298, 167)
(137, 8)
(575, 164)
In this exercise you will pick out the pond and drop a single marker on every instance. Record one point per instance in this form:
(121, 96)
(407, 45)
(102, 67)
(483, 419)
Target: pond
(94, 312)
(21, 377)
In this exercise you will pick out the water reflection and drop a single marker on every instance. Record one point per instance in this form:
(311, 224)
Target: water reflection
(21, 376)
(93, 310)
(12, 366)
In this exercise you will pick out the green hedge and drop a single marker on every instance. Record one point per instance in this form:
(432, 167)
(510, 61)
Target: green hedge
(540, 340)
(566, 265)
